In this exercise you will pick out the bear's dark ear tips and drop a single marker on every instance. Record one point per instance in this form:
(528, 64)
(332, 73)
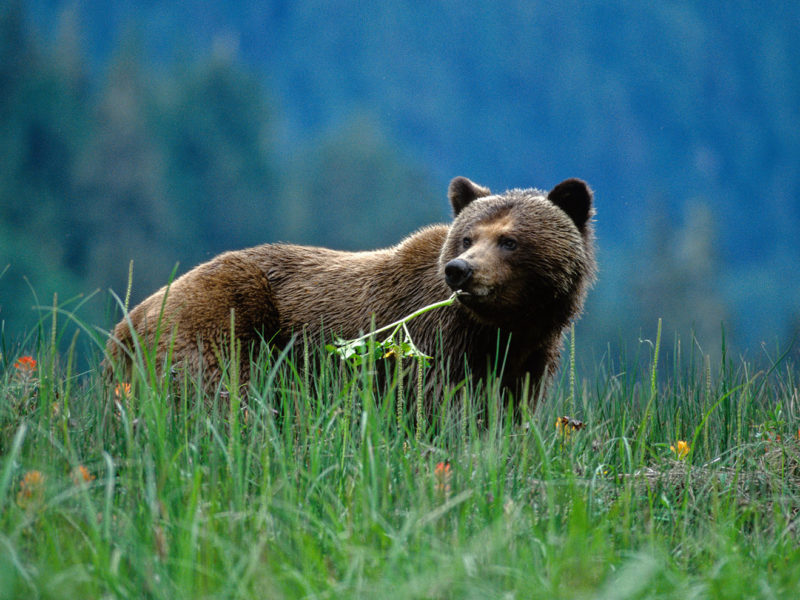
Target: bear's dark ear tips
(462, 191)
(574, 197)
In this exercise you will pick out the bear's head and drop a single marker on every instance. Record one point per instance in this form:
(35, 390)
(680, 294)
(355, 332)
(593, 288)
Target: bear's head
(521, 256)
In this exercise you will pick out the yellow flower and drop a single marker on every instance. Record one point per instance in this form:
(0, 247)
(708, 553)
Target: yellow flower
(680, 450)
(566, 425)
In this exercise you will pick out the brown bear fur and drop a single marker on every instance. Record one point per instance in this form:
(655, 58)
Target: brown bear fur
(523, 259)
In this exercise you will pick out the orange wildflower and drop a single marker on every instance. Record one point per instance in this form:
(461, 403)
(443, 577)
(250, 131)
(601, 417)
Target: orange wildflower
(122, 396)
(442, 475)
(31, 490)
(81, 475)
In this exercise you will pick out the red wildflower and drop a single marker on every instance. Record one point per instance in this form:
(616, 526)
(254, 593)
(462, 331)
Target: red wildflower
(25, 364)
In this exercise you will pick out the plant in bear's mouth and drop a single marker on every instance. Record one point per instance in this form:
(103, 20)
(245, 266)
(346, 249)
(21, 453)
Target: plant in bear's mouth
(398, 344)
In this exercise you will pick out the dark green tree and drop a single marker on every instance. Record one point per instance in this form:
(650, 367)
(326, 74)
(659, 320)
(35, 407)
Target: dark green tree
(216, 129)
(43, 98)
(121, 178)
(355, 190)
(678, 278)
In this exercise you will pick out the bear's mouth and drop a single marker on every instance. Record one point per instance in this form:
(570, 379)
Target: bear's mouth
(474, 294)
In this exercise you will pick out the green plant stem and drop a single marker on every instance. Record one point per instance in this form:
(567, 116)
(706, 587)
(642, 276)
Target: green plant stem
(400, 322)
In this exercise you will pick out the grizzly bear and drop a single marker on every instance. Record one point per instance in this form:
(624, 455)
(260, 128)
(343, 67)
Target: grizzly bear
(522, 261)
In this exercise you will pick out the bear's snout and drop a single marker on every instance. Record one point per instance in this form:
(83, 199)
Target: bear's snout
(457, 273)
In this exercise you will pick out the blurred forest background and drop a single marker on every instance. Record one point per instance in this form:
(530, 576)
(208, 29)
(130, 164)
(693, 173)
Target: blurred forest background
(165, 132)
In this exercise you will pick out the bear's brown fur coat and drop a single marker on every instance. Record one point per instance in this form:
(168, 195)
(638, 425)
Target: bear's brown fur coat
(524, 260)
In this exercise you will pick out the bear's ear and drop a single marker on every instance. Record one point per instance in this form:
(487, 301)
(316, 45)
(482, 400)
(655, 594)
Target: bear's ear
(574, 197)
(462, 191)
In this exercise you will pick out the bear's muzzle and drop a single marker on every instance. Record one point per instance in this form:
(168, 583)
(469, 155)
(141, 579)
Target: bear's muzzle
(457, 273)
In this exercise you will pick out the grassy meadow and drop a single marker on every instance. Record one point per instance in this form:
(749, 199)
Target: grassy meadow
(672, 477)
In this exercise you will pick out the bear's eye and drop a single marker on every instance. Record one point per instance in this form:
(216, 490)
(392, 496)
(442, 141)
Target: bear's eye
(466, 242)
(508, 243)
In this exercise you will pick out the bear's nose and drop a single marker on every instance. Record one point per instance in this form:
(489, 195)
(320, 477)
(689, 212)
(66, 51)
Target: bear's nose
(456, 273)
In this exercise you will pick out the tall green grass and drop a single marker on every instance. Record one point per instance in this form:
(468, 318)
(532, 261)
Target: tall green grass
(317, 487)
